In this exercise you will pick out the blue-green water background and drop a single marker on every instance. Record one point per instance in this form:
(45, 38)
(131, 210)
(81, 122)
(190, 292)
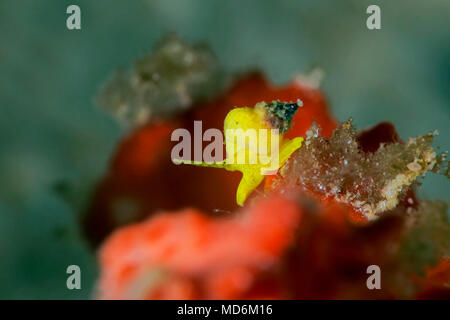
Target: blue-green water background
(51, 132)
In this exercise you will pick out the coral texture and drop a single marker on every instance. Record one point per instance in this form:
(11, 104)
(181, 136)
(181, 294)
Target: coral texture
(344, 201)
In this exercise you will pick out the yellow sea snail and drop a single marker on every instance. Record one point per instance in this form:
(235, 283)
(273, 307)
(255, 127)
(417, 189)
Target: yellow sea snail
(255, 143)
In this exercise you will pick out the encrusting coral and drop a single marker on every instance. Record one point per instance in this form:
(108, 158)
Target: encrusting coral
(291, 242)
(371, 182)
(342, 201)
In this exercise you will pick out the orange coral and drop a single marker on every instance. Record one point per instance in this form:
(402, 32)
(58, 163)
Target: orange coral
(277, 248)
(199, 256)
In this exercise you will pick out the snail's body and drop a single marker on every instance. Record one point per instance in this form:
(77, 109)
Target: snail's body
(271, 120)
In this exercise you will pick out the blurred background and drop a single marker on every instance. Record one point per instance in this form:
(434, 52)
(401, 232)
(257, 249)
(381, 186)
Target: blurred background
(53, 136)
